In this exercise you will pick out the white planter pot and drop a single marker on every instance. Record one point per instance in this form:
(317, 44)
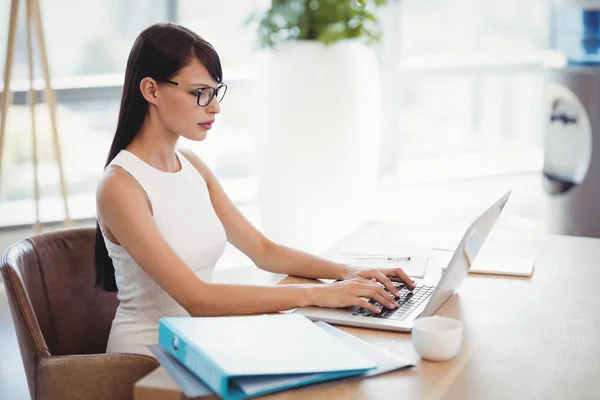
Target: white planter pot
(318, 131)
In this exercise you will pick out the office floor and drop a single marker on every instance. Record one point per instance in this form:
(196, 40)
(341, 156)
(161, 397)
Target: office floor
(426, 205)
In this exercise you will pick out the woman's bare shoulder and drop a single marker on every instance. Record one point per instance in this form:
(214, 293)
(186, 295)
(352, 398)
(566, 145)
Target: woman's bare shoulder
(116, 184)
(114, 177)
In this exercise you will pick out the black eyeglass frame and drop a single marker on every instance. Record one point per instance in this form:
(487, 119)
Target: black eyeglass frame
(214, 91)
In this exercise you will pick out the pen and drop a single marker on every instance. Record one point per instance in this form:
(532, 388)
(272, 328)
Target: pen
(389, 258)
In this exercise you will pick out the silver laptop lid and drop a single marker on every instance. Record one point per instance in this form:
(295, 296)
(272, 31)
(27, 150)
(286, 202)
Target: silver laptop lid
(464, 256)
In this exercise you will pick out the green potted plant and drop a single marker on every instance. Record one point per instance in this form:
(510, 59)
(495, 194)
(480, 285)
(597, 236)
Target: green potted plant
(317, 109)
(325, 21)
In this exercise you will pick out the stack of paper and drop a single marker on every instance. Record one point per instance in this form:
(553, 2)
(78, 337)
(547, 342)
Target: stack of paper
(241, 357)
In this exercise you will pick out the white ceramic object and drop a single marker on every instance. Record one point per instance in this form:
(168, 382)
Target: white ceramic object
(317, 129)
(568, 127)
(437, 338)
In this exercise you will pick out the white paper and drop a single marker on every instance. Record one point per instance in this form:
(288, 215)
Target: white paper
(385, 362)
(378, 239)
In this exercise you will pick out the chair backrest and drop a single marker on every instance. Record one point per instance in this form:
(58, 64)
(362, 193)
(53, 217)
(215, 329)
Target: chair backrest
(56, 309)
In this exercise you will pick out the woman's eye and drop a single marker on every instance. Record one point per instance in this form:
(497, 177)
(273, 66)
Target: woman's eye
(193, 92)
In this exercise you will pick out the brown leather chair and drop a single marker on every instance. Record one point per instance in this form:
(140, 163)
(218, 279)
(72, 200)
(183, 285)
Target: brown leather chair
(62, 321)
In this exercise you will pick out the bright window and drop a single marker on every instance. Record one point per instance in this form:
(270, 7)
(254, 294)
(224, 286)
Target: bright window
(462, 86)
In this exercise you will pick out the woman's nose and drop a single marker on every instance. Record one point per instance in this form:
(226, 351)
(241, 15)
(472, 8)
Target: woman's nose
(214, 107)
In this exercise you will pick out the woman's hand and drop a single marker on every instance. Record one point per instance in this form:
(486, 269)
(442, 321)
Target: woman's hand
(385, 276)
(352, 292)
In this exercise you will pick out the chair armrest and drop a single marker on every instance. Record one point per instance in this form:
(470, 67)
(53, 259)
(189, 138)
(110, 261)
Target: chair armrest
(97, 376)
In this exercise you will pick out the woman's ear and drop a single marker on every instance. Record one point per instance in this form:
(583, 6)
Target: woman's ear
(148, 87)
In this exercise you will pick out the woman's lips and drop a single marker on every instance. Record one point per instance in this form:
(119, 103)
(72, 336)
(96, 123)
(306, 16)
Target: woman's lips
(207, 125)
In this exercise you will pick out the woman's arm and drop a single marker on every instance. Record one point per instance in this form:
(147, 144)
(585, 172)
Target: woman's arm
(264, 253)
(276, 258)
(285, 260)
(123, 208)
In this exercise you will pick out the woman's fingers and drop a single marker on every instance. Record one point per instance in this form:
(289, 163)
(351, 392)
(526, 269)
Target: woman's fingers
(399, 272)
(367, 306)
(385, 281)
(376, 292)
(398, 275)
(375, 275)
(383, 299)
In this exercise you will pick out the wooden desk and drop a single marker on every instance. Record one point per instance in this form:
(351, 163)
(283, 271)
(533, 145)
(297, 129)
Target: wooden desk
(525, 338)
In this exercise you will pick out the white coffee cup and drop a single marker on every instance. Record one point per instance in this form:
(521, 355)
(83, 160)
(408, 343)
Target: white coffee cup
(437, 338)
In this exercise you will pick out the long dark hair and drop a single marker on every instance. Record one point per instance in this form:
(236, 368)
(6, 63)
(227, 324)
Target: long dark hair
(159, 52)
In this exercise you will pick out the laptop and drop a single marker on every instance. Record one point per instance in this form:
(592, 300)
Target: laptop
(426, 298)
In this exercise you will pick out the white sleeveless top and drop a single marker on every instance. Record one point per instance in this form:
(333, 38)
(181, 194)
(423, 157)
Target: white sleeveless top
(186, 218)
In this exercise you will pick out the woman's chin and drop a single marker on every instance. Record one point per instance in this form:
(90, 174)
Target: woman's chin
(196, 136)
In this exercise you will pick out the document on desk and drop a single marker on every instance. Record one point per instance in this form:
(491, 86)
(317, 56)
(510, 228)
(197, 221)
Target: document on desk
(243, 356)
(384, 361)
(374, 245)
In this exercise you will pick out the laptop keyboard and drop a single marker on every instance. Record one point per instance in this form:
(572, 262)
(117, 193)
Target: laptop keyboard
(407, 302)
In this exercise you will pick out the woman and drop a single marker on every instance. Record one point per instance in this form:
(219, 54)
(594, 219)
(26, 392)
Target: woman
(164, 219)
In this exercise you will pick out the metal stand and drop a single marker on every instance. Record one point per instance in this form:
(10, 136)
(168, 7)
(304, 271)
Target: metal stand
(33, 22)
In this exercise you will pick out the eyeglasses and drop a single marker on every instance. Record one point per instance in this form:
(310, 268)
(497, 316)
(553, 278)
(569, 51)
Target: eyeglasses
(204, 95)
